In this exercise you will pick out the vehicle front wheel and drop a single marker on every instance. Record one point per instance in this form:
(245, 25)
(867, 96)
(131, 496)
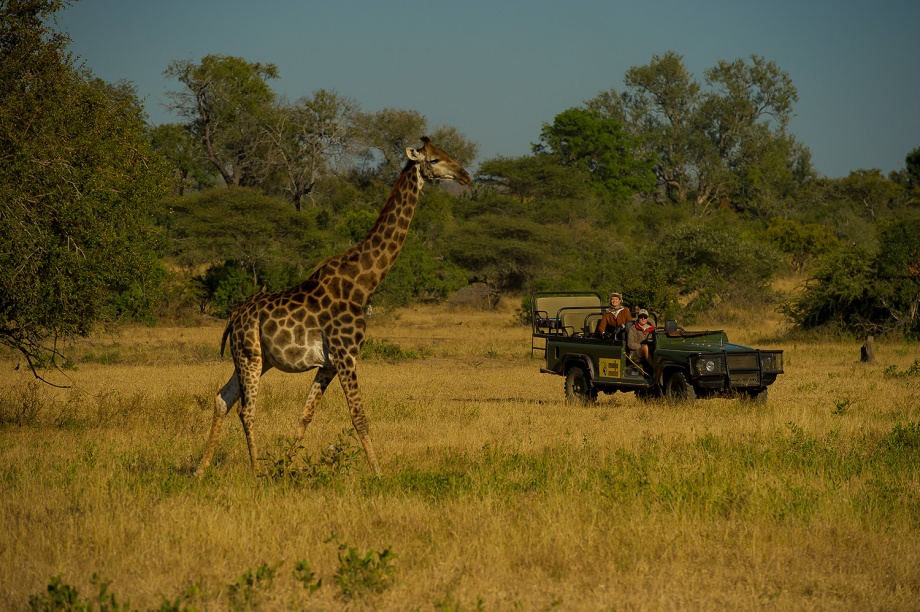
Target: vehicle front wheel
(578, 388)
(677, 389)
(757, 397)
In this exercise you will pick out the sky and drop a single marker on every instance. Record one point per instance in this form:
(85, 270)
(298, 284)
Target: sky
(497, 70)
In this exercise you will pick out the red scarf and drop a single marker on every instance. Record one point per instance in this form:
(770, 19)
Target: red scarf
(647, 330)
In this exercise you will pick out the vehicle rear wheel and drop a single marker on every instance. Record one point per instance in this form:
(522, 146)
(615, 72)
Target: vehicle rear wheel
(578, 388)
(677, 389)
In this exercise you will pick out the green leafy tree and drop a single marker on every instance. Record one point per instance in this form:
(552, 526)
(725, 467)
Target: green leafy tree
(708, 140)
(184, 153)
(311, 137)
(713, 260)
(912, 168)
(386, 134)
(226, 102)
(857, 291)
(898, 271)
(869, 192)
(529, 177)
(78, 181)
(598, 145)
(838, 294)
(801, 241)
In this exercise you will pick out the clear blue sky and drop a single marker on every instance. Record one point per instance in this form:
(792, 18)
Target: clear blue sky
(497, 70)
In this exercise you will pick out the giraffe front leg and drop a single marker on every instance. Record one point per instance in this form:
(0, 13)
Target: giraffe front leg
(345, 366)
(323, 377)
(223, 402)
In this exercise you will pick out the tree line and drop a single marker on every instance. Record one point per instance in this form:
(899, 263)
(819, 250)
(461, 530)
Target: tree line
(684, 194)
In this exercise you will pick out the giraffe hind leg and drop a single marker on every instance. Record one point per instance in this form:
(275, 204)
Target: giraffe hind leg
(249, 392)
(223, 402)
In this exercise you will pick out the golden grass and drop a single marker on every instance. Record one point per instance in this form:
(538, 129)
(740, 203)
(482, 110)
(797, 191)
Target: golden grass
(495, 494)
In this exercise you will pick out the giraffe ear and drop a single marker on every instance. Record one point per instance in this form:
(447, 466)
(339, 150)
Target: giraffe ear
(413, 154)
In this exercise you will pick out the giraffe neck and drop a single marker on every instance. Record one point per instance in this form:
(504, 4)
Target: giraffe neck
(378, 251)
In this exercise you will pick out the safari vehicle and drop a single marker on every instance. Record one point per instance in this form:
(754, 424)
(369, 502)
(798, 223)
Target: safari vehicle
(685, 364)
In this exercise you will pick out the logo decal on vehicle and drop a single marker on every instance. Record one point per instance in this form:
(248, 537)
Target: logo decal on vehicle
(610, 368)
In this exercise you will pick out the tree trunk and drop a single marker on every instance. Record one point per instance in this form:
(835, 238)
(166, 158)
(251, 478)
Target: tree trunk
(867, 352)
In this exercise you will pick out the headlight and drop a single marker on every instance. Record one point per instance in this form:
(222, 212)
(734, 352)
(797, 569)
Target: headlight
(772, 362)
(709, 365)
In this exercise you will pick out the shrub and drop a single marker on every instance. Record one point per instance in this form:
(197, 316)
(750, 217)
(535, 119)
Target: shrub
(358, 575)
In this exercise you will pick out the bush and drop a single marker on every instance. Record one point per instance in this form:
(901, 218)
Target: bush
(710, 261)
(859, 292)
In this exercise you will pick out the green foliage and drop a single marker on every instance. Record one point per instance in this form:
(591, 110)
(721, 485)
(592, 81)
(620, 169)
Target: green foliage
(601, 147)
(183, 153)
(77, 186)
(385, 351)
(306, 576)
(726, 142)
(713, 260)
(533, 176)
(912, 168)
(800, 241)
(226, 100)
(419, 275)
(293, 465)
(359, 575)
(245, 592)
(911, 372)
(857, 291)
(505, 251)
(60, 596)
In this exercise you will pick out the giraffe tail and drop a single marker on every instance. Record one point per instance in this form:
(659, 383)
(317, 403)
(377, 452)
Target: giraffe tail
(223, 341)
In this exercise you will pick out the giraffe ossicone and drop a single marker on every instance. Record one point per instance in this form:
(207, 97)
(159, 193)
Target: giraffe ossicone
(319, 324)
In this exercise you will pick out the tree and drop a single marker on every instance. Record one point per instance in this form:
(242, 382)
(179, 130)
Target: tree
(184, 153)
(860, 292)
(226, 101)
(310, 136)
(386, 134)
(584, 140)
(533, 176)
(658, 108)
(800, 241)
(912, 167)
(707, 142)
(77, 183)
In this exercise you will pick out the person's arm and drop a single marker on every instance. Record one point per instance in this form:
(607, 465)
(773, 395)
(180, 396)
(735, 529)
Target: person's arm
(602, 326)
(632, 339)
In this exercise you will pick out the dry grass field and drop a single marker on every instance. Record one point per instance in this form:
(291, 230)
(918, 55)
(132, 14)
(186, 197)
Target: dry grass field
(495, 493)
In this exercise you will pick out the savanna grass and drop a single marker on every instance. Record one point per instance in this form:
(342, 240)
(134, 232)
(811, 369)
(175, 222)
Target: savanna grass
(495, 493)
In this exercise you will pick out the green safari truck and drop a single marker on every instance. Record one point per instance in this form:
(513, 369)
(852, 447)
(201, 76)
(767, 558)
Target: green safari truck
(685, 365)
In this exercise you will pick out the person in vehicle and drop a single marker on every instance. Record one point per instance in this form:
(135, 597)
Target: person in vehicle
(615, 317)
(639, 336)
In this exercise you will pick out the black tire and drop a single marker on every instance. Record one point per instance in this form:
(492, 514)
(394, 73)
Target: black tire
(677, 389)
(578, 388)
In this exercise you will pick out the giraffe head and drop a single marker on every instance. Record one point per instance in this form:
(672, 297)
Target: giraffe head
(436, 165)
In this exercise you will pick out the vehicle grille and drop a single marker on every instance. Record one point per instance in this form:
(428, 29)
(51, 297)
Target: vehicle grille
(744, 379)
(743, 362)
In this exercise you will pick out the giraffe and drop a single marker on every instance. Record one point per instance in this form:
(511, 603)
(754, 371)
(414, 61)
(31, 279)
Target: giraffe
(319, 324)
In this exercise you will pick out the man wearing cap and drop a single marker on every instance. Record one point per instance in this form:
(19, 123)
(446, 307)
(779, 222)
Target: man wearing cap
(638, 336)
(615, 317)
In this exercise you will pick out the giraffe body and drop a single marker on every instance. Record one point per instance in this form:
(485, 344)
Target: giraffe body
(319, 324)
